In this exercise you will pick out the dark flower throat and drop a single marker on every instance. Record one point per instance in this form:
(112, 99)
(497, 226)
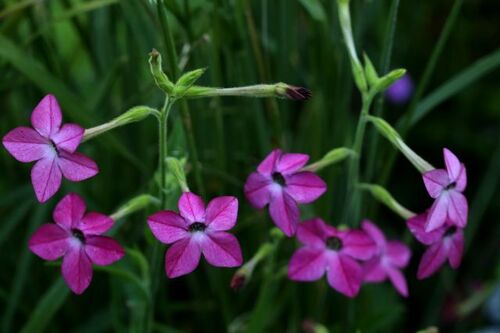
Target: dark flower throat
(197, 226)
(334, 243)
(78, 234)
(278, 178)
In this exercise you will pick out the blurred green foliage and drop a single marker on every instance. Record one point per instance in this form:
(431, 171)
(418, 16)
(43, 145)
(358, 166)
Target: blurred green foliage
(93, 56)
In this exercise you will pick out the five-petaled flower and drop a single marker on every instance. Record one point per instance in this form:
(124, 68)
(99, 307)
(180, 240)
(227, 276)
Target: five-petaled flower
(280, 183)
(53, 147)
(198, 230)
(327, 249)
(446, 187)
(444, 243)
(76, 236)
(390, 258)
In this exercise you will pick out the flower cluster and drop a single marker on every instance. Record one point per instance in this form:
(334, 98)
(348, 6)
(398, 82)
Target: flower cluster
(441, 226)
(282, 181)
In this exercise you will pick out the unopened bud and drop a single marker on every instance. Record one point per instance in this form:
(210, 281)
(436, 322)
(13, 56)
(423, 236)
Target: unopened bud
(176, 168)
(161, 79)
(387, 80)
(186, 81)
(333, 156)
(133, 205)
(382, 195)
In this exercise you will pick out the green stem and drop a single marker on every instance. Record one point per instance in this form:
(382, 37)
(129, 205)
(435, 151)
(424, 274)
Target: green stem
(162, 168)
(186, 117)
(351, 215)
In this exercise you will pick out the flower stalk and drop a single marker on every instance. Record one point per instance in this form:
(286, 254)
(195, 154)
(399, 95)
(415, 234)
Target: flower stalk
(382, 195)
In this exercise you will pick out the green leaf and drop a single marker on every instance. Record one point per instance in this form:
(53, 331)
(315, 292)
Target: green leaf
(47, 307)
(315, 9)
(456, 84)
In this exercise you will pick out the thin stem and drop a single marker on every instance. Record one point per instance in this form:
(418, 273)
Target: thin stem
(186, 117)
(351, 215)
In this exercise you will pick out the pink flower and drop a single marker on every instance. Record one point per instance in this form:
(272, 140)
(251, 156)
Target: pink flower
(444, 243)
(76, 237)
(446, 186)
(327, 249)
(53, 147)
(198, 230)
(390, 258)
(280, 183)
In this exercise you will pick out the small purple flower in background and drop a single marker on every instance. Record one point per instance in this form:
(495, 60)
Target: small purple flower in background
(197, 230)
(327, 249)
(280, 183)
(390, 258)
(444, 243)
(76, 237)
(53, 147)
(446, 187)
(400, 91)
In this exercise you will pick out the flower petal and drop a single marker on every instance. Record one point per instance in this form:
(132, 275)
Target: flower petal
(68, 137)
(357, 244)
(458, 209)
(304, 187)
(77, 269)
(46, 178)
(307, 264)
(76, 166)
(258, 190)
(69, 211)
(314, 232)
(461, 181)
(94, 223)
(25, 144)
(49, 242)
(182, 257)
(103, 250)
(438, 212)
(192, 207)
(456, 248)
(398, 280)
(268, 165)
(416, 224)
(434, 257)
(375, 233)
(290, 163)
(435, 181)
(46, 117)
(222, 212)
(168, 226)
(453, 165)
(221, 249)
(373, 271)
(344, 274)
(285, 213)
(398, 253)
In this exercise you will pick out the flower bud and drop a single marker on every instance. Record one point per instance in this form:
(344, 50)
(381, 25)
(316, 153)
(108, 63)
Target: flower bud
(370, 72)
(186, 81)
(176, 168)
(309, 326)
(384, 82)
(393, 136)
(161, 79)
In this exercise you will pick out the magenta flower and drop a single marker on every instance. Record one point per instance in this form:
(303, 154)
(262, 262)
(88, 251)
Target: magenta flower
(327, 249)
(446, 187)
(76, 237)
(53, 147)
(280, 183)
(444, 243)
(390, 258)
(198, 230)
